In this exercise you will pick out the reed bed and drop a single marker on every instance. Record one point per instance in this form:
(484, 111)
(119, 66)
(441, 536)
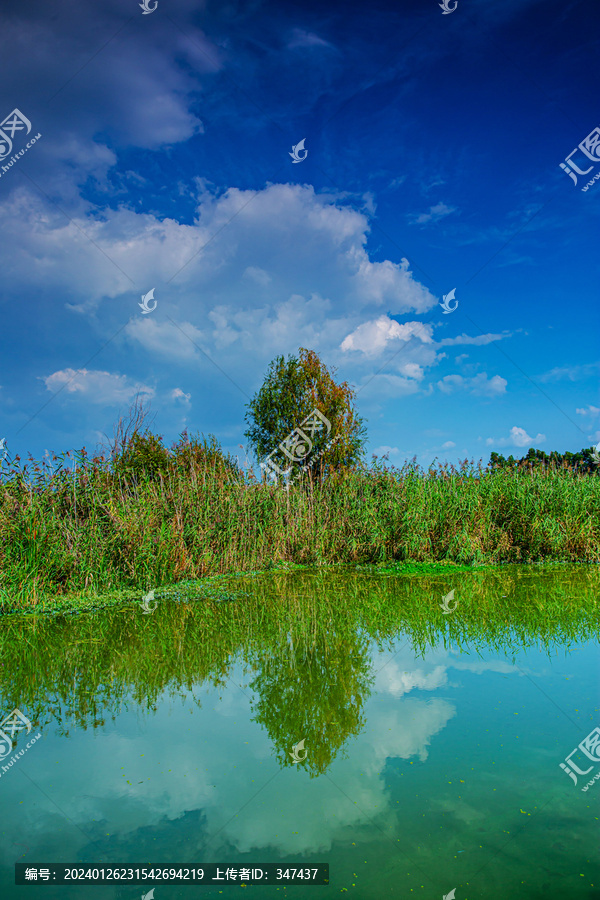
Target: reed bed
(96, 525)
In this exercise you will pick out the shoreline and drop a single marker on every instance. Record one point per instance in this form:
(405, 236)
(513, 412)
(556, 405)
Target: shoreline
(221, 588)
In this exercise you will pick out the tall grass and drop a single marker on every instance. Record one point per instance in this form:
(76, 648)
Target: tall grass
(146, 516)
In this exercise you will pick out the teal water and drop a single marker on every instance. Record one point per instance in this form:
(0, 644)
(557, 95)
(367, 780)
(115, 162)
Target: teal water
(433, 743)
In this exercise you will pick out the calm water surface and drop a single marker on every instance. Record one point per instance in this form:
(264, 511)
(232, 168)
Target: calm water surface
(433, 741)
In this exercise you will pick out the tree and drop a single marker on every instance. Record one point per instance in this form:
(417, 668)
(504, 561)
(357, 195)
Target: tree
(136, 453)
(291, 390)
(583, 461)
(143, 458)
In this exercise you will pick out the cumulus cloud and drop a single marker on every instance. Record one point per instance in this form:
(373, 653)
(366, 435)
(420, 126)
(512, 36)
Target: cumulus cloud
(118, 69)
(97, 386)
(91, 258)
(388, 281)
(178, 394)
(275, 244)
(518, 438)
(179, 341)
(479, 384)
(281, 236)
(399, 683)
(591, 411)
(385, 450)
(372, 337)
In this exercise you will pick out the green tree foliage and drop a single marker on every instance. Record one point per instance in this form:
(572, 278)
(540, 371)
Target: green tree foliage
(291, 390)
(142, 458)
(138, 455)
(582, 461)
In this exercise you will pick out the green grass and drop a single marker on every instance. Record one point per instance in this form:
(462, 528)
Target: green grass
(99, 529)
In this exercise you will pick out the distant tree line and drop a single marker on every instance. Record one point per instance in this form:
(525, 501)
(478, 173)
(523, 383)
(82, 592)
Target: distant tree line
(583, 461)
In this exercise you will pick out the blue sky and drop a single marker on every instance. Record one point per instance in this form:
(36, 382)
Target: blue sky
(433, 148)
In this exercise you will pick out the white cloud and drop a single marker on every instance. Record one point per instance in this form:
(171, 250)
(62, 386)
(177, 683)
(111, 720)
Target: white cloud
(372, 337)
(258, 275)
(166, 338)
(448, 445)
(518, 438)
(388, 281)
(279, 243)
(479, 384)
(382, 451)
(591, 411)
(391, 386)
(107, 92)
(398, 683)
(437, 212)
(96, 386)
(570, 373)
(480, 340)
(302, 38)
(411, 370)
(266, 329)
(178, 394)
(285, 233)
(93, 258)
(449, 383)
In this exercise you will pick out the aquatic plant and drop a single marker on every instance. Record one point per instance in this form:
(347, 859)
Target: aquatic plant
(84, 525)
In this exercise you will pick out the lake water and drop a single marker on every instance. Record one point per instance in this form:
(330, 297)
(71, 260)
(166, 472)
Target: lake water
(432, 741)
